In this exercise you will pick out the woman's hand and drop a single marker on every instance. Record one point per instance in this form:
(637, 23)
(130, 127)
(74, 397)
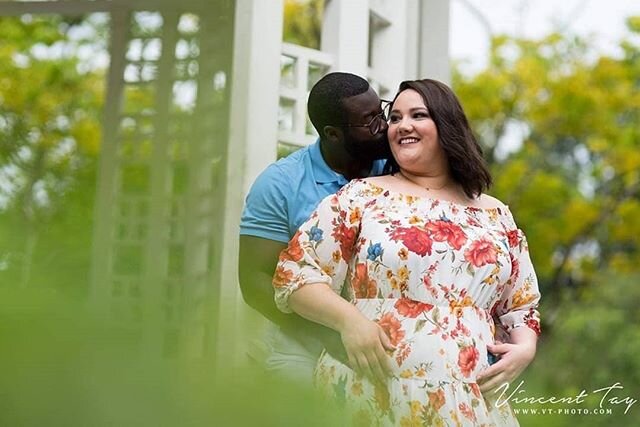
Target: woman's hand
(366, 344)
(364, 340)
(514, 358)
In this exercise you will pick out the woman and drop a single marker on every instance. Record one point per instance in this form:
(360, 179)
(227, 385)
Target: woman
(430, 263)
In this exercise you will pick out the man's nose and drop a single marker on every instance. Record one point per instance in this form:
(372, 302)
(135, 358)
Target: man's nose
(383, 125)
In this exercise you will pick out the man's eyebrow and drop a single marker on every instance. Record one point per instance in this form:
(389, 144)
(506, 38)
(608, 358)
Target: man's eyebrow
(371, 113)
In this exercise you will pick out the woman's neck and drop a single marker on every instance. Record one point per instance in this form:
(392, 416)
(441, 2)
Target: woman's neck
(435, 182)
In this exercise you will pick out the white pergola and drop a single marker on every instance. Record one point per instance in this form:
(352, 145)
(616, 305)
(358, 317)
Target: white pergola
(251, 95)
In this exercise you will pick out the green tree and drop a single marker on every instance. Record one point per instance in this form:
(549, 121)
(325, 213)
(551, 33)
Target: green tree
(574, 182)
(303, 22)
(50, 103)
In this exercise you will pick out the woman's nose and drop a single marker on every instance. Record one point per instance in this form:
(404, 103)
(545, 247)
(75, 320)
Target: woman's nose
(405, 125)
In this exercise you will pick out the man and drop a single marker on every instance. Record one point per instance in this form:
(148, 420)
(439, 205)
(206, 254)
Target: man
(351, 125)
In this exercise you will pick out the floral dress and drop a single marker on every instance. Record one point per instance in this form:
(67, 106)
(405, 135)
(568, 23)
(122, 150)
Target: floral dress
(435, 275)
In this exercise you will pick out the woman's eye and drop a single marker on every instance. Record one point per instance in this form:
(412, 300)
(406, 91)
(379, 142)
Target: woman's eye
(394, 119)
(421, 114)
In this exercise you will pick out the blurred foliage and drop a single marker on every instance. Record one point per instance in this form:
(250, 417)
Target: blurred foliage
(49, 143)
(574, 182)
(63, 367)
(303, 22)
(594, 344)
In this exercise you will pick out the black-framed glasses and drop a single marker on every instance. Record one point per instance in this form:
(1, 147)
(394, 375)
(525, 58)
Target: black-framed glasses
(378, 121)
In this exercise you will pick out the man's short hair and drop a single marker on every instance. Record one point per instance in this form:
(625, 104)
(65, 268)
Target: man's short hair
(325, 105)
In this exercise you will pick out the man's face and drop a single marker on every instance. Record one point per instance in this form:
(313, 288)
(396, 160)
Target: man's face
(358, 141)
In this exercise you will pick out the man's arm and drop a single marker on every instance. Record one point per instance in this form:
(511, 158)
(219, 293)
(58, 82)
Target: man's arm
(257, 263)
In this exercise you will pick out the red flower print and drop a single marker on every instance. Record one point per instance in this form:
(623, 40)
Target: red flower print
(362, 285)
(475, 389)
(436, 399)
(467, 359)
(535, 325)
(293, 252)
(513, 238)
(402, 352)
(282, 277)
(446, 231)
(515, 268)
(532, 321)
(415, 239)
(392, 327)
(481, 252)
(411, 308)
(346, 236)
(467, 411)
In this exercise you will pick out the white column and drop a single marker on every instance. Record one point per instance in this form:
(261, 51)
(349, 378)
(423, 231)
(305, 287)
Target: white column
(412, 39)
(255, 94)
(345, 34)
(394, 41)
(434, 40)
(252, 144)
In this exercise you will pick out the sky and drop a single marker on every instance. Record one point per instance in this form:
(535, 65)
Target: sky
(472, 21)
(469, 36)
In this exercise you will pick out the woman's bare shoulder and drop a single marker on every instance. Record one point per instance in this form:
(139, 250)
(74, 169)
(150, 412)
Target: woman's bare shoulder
(486, 201)
(381, 180)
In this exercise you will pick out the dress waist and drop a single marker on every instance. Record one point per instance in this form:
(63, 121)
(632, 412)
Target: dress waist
(441, 343)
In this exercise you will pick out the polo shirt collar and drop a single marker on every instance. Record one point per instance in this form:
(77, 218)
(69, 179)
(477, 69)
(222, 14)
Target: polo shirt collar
(321, 171)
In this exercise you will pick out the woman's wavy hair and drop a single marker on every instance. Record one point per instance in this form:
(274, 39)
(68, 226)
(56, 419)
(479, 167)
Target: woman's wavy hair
(466, 163)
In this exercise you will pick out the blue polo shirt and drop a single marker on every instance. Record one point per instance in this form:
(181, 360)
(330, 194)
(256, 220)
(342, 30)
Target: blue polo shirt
(288, 191)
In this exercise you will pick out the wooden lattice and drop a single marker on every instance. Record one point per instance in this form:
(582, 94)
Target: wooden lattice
(162, 175)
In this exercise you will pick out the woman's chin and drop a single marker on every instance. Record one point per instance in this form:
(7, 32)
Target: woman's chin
(406, 160)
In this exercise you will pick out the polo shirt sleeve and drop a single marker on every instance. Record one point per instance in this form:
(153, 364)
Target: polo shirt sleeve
(265, 212)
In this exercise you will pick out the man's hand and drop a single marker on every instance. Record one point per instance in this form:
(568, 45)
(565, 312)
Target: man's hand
(332, 342)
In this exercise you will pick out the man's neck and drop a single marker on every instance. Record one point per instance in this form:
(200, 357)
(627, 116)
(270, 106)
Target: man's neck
(344, 164)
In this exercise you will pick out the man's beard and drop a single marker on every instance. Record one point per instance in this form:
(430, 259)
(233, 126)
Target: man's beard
(372, 149)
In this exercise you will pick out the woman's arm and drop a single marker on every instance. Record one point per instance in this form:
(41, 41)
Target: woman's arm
(364, 340)
(517, 313)
(311, 273)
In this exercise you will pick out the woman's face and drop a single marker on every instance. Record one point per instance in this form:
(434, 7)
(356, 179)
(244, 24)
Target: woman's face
(413, 136)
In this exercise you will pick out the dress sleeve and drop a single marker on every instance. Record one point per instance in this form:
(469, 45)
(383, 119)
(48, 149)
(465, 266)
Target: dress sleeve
(321, 249)
(518, 305)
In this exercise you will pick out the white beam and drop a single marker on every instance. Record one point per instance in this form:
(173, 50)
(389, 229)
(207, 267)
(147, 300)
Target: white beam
(434, 40)
(252, 143)
(255, 93)
(389, 54)
(345, 34)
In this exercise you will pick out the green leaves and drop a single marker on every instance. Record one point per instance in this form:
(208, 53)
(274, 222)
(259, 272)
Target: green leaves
(571, 175)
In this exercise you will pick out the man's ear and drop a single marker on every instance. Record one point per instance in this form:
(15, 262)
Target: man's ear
(332, 133)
